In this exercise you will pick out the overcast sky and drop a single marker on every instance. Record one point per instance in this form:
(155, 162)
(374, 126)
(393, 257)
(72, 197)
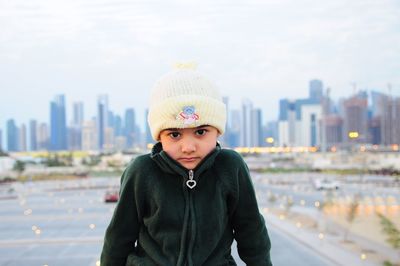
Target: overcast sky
(264, 50)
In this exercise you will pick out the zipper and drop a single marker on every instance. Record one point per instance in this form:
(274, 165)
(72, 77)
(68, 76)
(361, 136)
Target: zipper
(191, 183)
(191, 226)
(186, 245)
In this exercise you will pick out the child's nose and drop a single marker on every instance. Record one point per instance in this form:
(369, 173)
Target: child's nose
(188, 146)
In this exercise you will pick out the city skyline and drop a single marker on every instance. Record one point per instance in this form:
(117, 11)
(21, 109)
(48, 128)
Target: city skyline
(264, 50)
(91, 108)
(312, 121)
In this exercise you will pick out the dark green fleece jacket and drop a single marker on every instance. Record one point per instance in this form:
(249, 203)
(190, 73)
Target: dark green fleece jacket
(159, 220)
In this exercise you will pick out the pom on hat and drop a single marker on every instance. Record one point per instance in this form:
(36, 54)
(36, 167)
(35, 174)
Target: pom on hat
(185, 99)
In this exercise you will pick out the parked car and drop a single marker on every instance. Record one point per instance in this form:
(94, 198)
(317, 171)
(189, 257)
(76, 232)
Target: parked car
(111, 196)
(325, 184)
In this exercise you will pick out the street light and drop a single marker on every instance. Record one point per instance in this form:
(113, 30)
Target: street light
(270, 141)
(353, 134)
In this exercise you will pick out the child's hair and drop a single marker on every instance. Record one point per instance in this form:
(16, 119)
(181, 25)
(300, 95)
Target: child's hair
(185, 99)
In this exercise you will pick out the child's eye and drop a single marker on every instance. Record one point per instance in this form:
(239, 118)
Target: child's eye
(174, 135)
(201, 132)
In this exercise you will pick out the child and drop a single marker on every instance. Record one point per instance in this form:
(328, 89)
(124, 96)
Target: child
(185, 202)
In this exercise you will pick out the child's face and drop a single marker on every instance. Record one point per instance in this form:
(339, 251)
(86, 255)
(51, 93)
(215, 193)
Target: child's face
(189, 146)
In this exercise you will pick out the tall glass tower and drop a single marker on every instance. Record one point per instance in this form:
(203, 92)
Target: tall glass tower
(33, 135)
(130, 127)
(316, 89)
(12, 135)
(58, 125)
(102, 118)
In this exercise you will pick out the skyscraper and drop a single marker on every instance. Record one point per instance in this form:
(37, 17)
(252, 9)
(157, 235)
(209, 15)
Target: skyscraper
(374, 130)
(309, 130)
(299, 120)
(109, 139)
(43, 136)
(390, 122)
(75, 129)
(234, 129)
(334, 129)
(356, 118)
(287, 123)
(78, 115)
(315, 89)
(102, 119)
(22, 138)
(246, 124)
(89, 136)
(33, 135)
(12, 135)
(257, 129)
(130, 127)
(118, 130)
(58, 124)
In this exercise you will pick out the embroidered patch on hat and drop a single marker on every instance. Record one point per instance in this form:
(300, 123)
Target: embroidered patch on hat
(188, 115)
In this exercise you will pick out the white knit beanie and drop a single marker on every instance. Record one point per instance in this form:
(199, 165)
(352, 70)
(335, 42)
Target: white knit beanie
(185, 99)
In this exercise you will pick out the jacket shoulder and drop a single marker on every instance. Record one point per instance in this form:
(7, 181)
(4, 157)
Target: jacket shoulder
(231, 157)
(138, 167)
(141, 162)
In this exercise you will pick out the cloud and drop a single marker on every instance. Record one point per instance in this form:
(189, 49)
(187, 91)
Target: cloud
(266, 48)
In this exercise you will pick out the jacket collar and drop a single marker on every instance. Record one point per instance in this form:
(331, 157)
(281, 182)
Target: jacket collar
(167, 164)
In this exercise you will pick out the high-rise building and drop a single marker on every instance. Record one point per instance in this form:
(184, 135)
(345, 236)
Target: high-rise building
(374, 130)
(102, 119)
(118, 129)
(33, 135)
(299, 120)
(12, 136)
(246, 124)
(334, 130)
(309, 130)
(149, 138)
(89, 136)
(78, 113)
(233, 133)
(43, 137)
(130, 127)
(316, 89)
(390, 121)
(251, 125)
(287, 123)
(58, 124)
(75, 128)
(111, 119)
(271, 131)
(138, 137)
(257, 128)
(22, 138)
(74, 138)
(356, 119)
(109, 139)
(378, 100)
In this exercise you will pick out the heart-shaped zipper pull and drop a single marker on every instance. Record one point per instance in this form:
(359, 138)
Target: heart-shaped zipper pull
(191, 183)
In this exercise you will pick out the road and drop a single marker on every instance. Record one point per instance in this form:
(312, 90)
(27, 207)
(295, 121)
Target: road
(63, 222)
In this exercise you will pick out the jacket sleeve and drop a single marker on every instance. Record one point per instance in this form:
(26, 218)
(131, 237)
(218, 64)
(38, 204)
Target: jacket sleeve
(122, 232)
(250, 232)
